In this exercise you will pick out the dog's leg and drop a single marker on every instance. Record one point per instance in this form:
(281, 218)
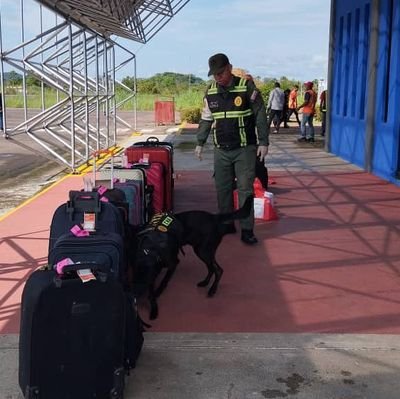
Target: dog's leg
(218, 274)
(171, 267)
(208, 257)
(204, 283)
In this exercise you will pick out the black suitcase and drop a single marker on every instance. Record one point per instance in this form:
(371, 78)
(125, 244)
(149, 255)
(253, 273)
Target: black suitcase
(106, 249)
(134, 333)
(72, 337)
(108, 217)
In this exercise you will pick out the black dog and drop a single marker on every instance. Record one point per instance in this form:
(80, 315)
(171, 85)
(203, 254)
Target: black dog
(204, 232)
(158, 248)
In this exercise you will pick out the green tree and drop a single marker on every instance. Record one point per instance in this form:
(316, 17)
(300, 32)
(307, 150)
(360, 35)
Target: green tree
(14, 79)
(32, 81)
(129, 81)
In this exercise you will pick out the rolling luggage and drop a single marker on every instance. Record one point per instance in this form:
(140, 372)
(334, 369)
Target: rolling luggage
(152, 151)
(134, 178)
(106, 249)
(133, 198)
(118, 198)
(156, 177)
(72, 338)
(154, 141)
(85, 206)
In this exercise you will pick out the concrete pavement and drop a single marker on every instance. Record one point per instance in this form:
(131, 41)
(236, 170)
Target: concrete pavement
(250, 366)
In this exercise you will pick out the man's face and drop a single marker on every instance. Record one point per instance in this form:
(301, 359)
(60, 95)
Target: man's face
(224, 77)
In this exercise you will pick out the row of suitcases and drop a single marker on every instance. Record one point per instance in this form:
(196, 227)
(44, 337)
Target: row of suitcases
(146, 176)
(80, 331)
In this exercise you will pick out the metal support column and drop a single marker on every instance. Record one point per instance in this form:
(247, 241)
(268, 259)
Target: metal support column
(371, 84)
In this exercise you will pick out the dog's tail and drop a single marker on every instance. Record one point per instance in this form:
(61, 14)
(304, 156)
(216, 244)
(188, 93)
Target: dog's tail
(241, 213)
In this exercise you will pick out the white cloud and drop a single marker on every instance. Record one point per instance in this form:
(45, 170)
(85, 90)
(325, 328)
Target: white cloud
(266, 37)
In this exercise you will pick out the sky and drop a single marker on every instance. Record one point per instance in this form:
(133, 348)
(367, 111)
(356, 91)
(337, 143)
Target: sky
(268, 38)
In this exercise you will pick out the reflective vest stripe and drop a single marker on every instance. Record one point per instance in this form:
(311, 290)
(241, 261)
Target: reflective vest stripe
(242, 132)
(240, 88)
(239, 115)
(218, 115)
(213, 89)
(236, 89)
(232, 114)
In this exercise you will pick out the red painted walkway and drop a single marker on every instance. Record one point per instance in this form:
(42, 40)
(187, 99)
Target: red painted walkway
(331, 263)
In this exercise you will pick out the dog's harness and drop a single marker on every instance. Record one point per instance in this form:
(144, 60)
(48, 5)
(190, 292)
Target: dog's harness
(163, 223)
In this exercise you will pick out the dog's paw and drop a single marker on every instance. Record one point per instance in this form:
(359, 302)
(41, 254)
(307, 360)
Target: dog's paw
(211, 292)
(202, 283)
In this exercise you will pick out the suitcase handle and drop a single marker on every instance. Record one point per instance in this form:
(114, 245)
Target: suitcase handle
(74, 267)
(100, 270)
(86, 201)
(153, 140)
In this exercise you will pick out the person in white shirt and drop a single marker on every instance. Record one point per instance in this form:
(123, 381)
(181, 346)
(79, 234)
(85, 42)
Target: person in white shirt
(276, 102)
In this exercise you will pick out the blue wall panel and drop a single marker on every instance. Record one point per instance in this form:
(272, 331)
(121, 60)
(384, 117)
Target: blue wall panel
(387, 114)
(350, 69)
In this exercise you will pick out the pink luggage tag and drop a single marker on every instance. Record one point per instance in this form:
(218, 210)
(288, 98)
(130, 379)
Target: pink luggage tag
(78, 232)
(101, 190)
(61, 264)
(104, 199)
(145, 158)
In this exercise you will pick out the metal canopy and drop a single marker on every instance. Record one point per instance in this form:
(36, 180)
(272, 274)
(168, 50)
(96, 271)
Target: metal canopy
(137, 20)
(76, 60)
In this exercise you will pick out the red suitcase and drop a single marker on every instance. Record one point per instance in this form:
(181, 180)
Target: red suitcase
(155, 175)
(150, 154)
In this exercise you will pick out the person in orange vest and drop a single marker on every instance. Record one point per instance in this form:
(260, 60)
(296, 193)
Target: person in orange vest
(292, 106)
(310, 100)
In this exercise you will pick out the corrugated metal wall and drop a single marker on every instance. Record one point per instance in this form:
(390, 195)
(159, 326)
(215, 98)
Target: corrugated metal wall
(349, 84)
(365, 85)
(385, 161)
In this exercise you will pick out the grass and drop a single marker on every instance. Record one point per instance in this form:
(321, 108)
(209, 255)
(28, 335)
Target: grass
(145, 102)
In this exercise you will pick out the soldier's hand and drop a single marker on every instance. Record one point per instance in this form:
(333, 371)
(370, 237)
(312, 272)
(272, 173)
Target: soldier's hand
(262, 152)
(198, 152)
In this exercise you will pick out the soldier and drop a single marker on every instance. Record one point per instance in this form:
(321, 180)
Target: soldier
(234, 108)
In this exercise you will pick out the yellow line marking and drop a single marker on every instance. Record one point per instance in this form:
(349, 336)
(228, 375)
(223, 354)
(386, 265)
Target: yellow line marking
(37, 195)
(181, 127)
(81, 170)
